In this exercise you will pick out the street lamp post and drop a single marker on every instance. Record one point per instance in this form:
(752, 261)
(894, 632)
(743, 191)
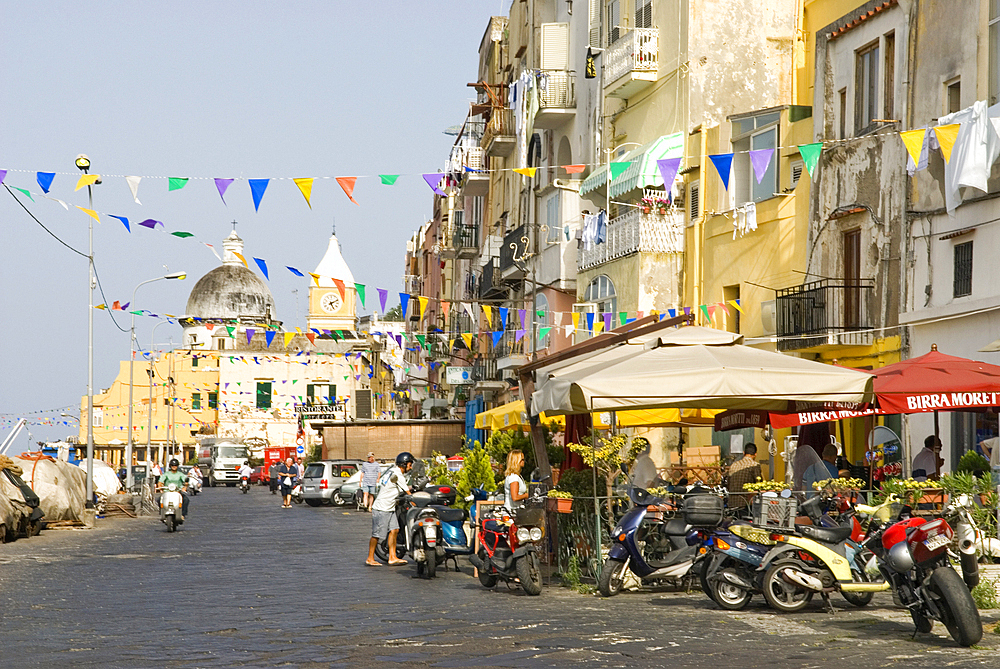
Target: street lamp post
(83, 163)
(152, 360)
(131, 364)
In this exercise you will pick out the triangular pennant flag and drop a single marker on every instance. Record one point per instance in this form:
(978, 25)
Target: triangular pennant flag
(723, 165)
(25, 192)
(288, 338)
(519, 335)
(347, 183)
(520, 314)
(269, 336)
(574, 169)
(668, 170)
(315, 277)
(123, 220)
(44, 180)
(55, 199)
(306, 187)
(434, 180)
(250, 332)
(672, 312)
(383, 294)
(913, 140)
(576, 320)
(423, 304)
(469, 309)
(151, 223)
(263, 267)
(590, 320)
(229, 329)
(182, 235)
(176, 183)
(488, 310)
(497, 336)
(503, 316)
(86, 180)
(90, 212)
(760, 159)
(311, 336)
(294, 271)
(257, 188)
(133, 185)
(242, 259)
(222, 185)
(810, 155)
(736, 303)
(617, 168)
(467, 338)
(404, 301)
(359, 289)
(526, 171)
(704, 310)
(607, 320)
(388, 179)
(445, 308)
(542, 332)
(3, 175)
(946, 136)
(724, 307)
(423, 340)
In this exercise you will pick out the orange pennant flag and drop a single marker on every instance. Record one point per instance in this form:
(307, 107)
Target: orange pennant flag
(574, 169)
(347, 183)
(946, 136)
(306, 186)
(340, 287)
(242, 259)
(311, 336)
(445, 307)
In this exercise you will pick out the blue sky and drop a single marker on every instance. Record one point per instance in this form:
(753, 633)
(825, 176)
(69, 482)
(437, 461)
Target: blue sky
(203, 90)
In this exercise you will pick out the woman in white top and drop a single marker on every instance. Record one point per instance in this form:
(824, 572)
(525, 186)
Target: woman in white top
(514, 489)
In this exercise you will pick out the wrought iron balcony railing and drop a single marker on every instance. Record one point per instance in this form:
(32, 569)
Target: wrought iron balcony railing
(824, 312)
(514, 246)
(635, 232)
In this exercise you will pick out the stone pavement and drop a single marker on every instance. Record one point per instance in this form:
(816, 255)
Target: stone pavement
(245, 583)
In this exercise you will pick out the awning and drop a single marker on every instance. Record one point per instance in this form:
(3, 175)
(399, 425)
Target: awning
(643, 170)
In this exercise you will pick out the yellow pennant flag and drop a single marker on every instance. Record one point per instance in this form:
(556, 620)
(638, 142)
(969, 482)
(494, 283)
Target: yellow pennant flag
(288, 338)
(914, 142)
(526, 171)
(314, 276)
(467, 338)
(423, 304)
(87, 180)
(488, 310)
(89, 212)
(598, 326)
(242, 259)
(736, 304)
(576, 320)
(946, 135)
(306, 186)
(451, 344)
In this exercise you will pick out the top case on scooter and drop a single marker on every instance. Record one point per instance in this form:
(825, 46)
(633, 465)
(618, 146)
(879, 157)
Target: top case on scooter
(703, 510)
(449, 514)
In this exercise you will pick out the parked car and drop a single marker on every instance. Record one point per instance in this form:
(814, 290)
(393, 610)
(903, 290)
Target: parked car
(259, 476)
(350, 492)
(323, 479)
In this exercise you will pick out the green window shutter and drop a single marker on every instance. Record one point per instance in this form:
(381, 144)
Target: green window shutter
(213, 400)
(196, 401)
(263, 394)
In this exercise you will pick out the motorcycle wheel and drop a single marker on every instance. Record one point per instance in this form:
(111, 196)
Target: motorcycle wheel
(612, 577)
(729, 596)
(430, 564)
(171, 524)
(859, 599)
(958, 610)
(486, 579)
(781, 595)
(382, 550)
(529, 572)
(706, 587)
(298, 500)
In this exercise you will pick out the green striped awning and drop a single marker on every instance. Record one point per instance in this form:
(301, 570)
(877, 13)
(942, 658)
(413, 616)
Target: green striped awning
(642, 170)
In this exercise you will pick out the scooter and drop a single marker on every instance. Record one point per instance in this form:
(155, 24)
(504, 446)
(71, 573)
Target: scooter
(509, 548)
(194, 485)
(171, 506)
(422, 532)
(297, 493)
(245, 484)
(652, 547)
(454, 541)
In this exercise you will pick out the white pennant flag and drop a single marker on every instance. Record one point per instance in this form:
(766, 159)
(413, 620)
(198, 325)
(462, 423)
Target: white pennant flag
(213, 251)
(55, 199)
(471, 310)
(133, 184)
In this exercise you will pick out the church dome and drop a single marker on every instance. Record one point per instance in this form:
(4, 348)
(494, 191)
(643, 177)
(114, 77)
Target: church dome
(231, 290)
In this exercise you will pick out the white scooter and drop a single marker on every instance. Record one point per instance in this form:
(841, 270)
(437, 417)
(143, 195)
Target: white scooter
(171, 506)
(194, 485)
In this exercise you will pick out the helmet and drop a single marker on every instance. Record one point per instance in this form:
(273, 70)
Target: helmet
(403, 458)
(899, 558)
(174, 463)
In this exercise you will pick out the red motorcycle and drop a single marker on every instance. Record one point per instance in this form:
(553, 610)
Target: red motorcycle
(509, 549)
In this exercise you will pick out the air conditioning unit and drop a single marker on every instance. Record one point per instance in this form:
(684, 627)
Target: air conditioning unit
(769, 317)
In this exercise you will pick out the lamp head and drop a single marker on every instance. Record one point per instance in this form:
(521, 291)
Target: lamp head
(176, 275)
(83, 162)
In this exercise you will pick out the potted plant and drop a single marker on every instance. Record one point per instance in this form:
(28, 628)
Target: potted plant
(647, 204)
(662, 204)
(560, 501)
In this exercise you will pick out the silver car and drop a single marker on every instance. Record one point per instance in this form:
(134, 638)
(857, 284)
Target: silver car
(323, 479)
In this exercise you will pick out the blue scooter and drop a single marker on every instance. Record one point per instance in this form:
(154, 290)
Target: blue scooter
(454, 541)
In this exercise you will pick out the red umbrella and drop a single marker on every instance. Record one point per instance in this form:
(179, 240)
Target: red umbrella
(937, 382)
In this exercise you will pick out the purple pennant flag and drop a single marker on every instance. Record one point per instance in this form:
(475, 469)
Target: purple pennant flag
(607, 321)
(497, 336)
(45, 180)
(668, 170)
(399, 340)
(520, 313)
(519, 335)
(151, 223)
(404, 301)
(433, 180)
(257, 188)
(382, 295)
(590, 321)
(3, 175)
(222, 185)
(687, 311)
(263, 267)
(723, 164)
(123, 220)
(269, 336)
(250, 332)
(760, 159)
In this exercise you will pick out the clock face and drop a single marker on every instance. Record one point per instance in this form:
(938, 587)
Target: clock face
(330, 302)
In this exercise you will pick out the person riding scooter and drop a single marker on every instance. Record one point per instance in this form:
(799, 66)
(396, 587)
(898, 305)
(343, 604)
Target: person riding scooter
(177, 477)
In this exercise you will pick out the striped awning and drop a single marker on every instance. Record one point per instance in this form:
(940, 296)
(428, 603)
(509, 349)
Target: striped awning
(642, 171)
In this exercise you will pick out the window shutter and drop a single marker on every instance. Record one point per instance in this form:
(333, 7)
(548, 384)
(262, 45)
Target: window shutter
(693, 201)
(644, 14)
(796, 173)
(594, 21)
(555, 46)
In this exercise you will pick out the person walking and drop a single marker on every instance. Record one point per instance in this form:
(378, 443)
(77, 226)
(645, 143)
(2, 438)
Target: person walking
(288, 472)
(385, 525)
(156, 473)
(370, 471)
(272, 474)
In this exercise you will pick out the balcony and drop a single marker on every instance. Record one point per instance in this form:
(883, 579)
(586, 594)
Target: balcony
(486, 376)
(490, 285)
(824, 313)
(635, 232)
(462, 242)
(499, 139)
(631, 63)
(515, 243)
(475, 183)
(412, 284)
(557, 98)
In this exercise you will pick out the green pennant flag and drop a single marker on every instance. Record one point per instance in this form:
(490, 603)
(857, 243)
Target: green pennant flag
(623, 316)
(359, 288)
(704, 310)
(618, 168)
(230, 329)
(176, 183)
(25, 192)
(810, 155)
(540, 313)
(388, 179)
(182, 235)
(542, 332)
(423, 340)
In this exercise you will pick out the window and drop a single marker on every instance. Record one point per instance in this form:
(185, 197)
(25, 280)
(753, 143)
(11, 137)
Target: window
(963, 269)
(594, 23)
(754, 133)
(194, 358)
(263, 394)
(613, 14)
(852, 279)
(643, 13)
(321, 393)
(889, 68)
(953, 96)
(843, 114)
(195, 401)
(796, 173)
(601, 293)
(213, 400)
(866, 89)
(552, 218)
(729, 294)
(994, 48)
(694, 197)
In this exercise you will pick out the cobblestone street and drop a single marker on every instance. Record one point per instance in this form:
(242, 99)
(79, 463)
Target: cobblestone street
(246, 583)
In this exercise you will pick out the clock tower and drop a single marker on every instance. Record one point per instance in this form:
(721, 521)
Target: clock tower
(328, 308)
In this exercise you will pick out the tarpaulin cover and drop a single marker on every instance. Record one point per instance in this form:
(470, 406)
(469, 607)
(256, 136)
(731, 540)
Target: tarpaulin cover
(61, 487)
